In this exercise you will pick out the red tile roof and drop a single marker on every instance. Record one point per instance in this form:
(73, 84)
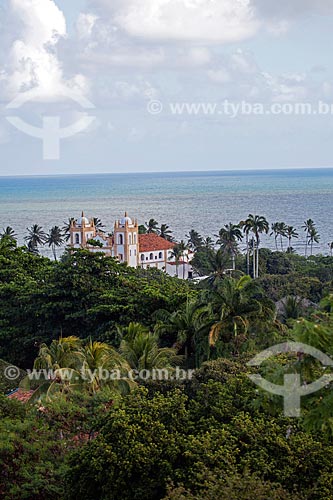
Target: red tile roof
(21, 395)
(151, 242)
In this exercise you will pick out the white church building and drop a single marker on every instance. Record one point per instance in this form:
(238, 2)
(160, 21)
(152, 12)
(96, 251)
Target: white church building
(128, 246)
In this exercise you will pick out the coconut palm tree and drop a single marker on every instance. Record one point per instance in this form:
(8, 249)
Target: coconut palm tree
(8, 238)
(258, 225)
(54, 239)
(216, 266)
(36, 236)
(165, 232)
(292, 307)
(175, 255)
(184, 326)
(275, 231)
(66, 228)
(9, 231)
(208, 243)
(279, 229)
(308, 226)
(141, 350)
(237, 304)
(66, 352)
(195, 240)
(313, 238)
(69, 365)
(183, 249)
(282, 233)
(100, 359)
(291, 233)
(99, 225)
(152, 226)
(7, 243)
(330, 246)
(228, 239)
(246, 227)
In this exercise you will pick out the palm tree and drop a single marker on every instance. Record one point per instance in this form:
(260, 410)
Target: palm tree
(70, 365)
(152, 226)
(54, 239)
(292, 307)
(36, 236)
(66, 352)
(165, 232)
(195, 240)
(282, 233)
(308, 226)
(176, 255)
(7, 243)
(217, 264)
(313, 237)
(275, 231)
(183, 327)
(100, 358)
(182, 249)
(66, 228)
(258, 225)
(291, 233)
(208, 243)
(330, 246)
(141, 350)
(246, 226)
(99, 225)
(229, 236)
(8, 239)
(279, 229)
(237, 304)
(9, 231)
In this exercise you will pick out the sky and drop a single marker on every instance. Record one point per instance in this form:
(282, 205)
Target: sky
(93, 86)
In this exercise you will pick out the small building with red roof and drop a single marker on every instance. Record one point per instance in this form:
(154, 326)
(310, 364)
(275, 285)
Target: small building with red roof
(20, 395)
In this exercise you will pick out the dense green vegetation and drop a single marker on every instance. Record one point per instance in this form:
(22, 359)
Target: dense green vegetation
(214, 435)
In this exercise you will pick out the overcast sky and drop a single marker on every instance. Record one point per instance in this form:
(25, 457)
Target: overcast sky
(118, 60)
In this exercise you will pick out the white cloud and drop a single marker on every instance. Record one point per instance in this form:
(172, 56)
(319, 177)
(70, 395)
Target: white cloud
(32, 62)
(85, 24)
(220, 21)
(289, 87)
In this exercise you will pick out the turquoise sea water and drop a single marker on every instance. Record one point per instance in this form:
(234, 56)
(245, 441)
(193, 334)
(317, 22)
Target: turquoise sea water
(204, 201)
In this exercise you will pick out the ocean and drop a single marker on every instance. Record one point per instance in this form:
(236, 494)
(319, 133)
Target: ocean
(203, 201)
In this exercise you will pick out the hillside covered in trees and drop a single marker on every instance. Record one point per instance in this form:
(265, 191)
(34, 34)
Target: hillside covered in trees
(212, 435)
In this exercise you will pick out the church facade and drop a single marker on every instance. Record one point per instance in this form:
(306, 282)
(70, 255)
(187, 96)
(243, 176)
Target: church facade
(128, 246)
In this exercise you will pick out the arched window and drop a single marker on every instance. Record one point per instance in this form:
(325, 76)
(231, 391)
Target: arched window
(160, 255)
(142, 257)
(134, 238)
(151, 256)
(77, 239)
(120, 239)
(130, 239)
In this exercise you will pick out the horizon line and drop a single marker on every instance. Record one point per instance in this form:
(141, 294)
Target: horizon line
(144, 172)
